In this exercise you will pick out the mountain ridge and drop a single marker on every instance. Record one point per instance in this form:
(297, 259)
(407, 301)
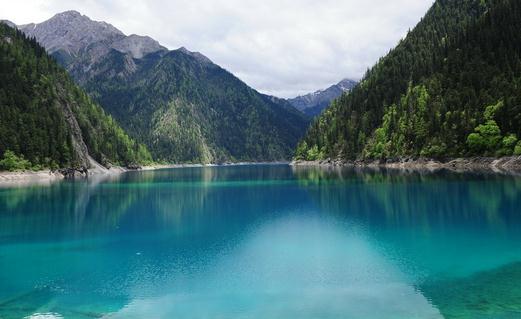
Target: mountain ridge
(47, 119)
(179, 103)
(71, 31)
(312, 104)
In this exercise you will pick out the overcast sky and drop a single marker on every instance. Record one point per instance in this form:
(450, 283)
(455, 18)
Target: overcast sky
(279, 47)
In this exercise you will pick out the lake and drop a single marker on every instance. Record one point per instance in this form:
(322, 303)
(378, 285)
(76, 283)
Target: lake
(263, 241)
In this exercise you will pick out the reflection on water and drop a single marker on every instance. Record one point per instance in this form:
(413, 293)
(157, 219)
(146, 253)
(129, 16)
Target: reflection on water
(414, 198)
(263, 242)
(276, 272)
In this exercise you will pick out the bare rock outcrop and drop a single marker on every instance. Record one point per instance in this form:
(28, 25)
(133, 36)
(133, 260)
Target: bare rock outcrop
(72, 33)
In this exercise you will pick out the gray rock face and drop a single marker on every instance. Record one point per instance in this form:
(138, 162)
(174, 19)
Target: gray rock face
(197, 55)
(72, 34)
(314, 103)
(137, 46)
(80, 44)
(9, 23)
(70, 31)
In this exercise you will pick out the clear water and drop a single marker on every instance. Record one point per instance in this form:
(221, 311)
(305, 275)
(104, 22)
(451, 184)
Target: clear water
(263, 242)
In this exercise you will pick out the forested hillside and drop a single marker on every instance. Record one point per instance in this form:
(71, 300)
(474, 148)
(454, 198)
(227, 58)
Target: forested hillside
(181, 105)
(451, 88)
(46, 121)
(187, 109)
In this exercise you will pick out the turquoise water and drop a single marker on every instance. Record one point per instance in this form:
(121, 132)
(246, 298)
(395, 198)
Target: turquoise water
(263, 242)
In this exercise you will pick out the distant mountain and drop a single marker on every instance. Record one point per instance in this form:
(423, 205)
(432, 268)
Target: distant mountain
(451, 88)
(71, 35)
(313, 104)
(48, 120)
(179, 103)
(9, 23)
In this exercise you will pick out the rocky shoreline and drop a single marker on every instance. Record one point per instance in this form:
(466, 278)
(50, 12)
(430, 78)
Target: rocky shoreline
(44, 177)
(504, 164)
(29, 177)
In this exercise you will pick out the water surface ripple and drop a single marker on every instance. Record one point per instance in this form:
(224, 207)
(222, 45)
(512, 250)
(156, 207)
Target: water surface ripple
(263, 241)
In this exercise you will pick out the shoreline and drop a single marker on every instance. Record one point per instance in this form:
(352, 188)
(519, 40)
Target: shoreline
(26, 178)
(506, 165)
(47, 177)
(509, 165)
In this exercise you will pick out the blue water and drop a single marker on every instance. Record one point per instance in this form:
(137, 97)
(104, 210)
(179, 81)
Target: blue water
(263, 242)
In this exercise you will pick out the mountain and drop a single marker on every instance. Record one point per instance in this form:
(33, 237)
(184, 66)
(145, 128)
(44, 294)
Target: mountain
(46, 120)
(179, 103)
(71, 35)
(449, 89)
(9, 23)
(313, 104)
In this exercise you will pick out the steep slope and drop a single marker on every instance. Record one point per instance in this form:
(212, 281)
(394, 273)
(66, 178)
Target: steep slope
(47, 119)
(313, 104)
(189, 109)
(450, 88)
(180, 104)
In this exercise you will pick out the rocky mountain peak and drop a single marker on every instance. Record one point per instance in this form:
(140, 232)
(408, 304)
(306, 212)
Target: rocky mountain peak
(314, 103)
(346, 84)
(71, 32)
(9, 23)
(197, 55)
(67, 15)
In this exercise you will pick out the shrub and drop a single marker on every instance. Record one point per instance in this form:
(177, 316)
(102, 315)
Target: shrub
(508, 145)
(313, 153)
(517, 149)
(485, 139)
(11, 162)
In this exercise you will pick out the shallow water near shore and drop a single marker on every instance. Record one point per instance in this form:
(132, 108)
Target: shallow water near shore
(263, 241)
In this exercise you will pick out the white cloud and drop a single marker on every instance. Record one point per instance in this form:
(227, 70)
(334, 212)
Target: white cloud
(280, 47)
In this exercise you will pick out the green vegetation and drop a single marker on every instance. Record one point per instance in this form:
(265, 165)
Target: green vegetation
(187, 109)
(47, 121)
(11, 162)
(450, 88)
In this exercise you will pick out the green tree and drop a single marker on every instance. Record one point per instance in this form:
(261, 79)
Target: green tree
(12, 162)
(508, 144)
(485, 139)
(313, 154)
(462, 56)
(517, 149)
(301, 152)
(40, 106)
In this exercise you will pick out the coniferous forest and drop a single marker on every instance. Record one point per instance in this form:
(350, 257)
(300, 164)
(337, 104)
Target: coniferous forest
(181, 105)
(451, 88)
(46, 120)
(187, 109)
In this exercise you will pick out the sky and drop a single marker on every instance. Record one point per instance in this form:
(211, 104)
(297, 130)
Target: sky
(279, 47)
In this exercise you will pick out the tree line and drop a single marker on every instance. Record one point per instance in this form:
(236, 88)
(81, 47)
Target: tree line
(35, 131)
(451, 88)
